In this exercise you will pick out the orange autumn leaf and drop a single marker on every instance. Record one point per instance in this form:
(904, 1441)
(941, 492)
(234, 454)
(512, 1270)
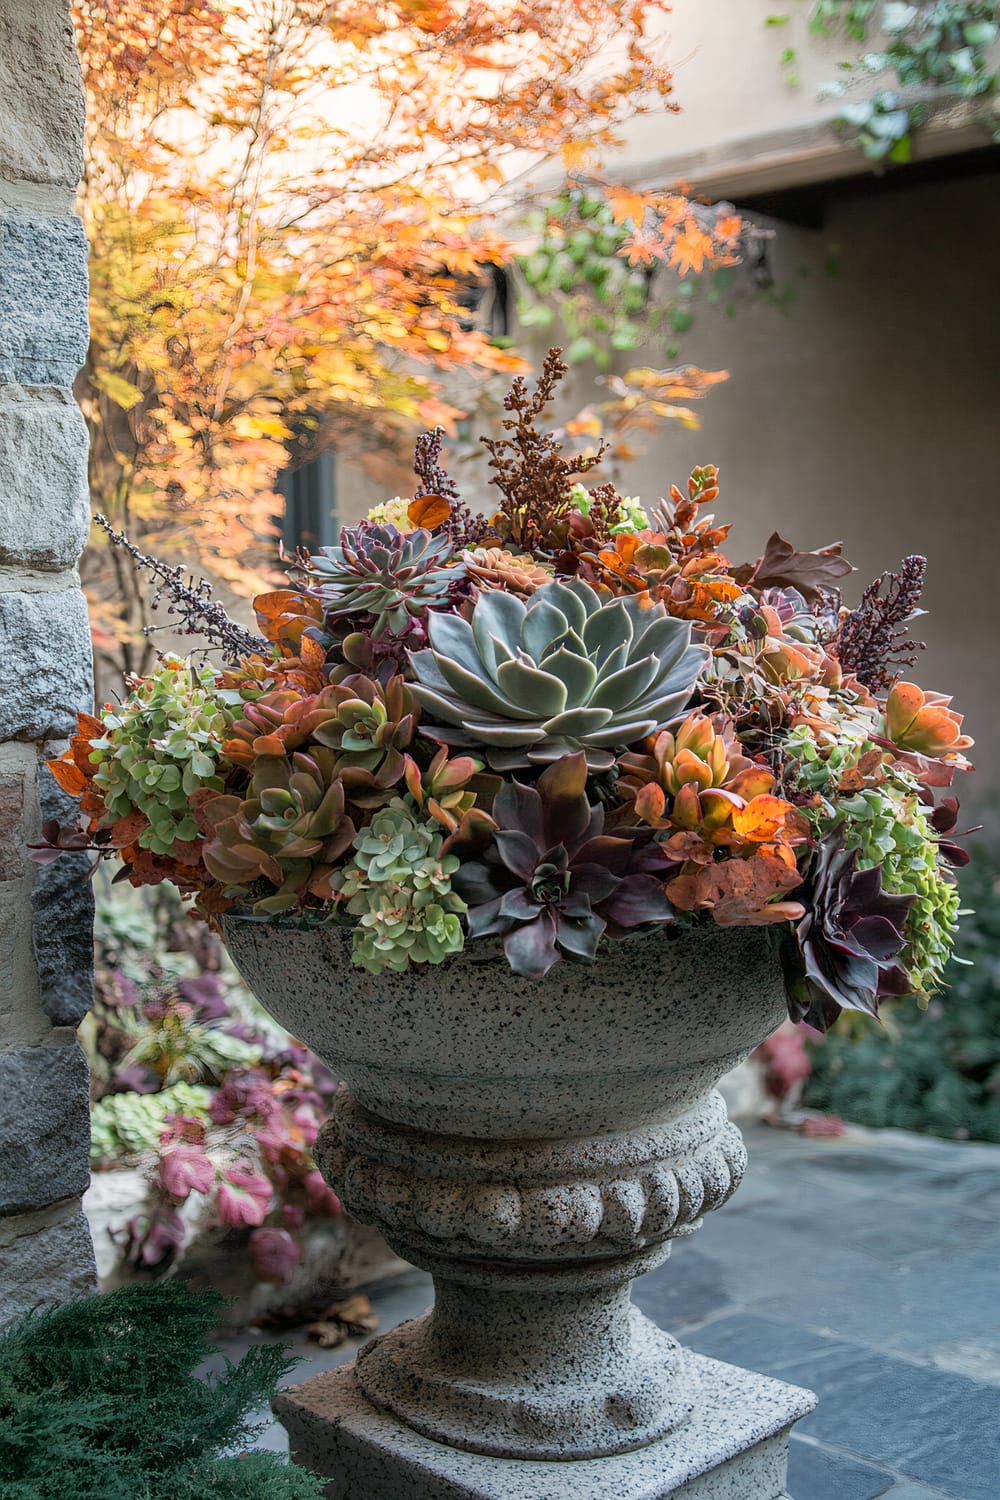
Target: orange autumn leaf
(429, 511)
(626, 204)
(729, 227)
(284, 614)
(739, 891)
(762, 819)
(126, 830)
(69, 776)
(706, 596)
(690, 249)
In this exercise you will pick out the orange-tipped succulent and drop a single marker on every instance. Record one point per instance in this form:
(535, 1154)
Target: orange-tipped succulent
(496, 568)
(368, 726)
(923, 722)
(443, 789)
(692, 777)
(370, 731)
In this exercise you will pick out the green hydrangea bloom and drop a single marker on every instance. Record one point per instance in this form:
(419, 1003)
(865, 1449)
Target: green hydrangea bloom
(162, 744)
(890, 826)
(398, 886)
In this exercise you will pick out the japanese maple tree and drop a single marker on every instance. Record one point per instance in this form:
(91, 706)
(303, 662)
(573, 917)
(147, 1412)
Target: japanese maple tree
(285, 200)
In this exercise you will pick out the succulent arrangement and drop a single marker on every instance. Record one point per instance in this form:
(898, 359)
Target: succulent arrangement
(560, 722)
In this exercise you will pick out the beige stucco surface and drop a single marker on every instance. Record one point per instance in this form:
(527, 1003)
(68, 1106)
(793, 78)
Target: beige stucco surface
(868, 413)
(742, 125)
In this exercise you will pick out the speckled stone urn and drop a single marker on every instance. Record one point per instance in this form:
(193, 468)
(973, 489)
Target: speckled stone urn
(535, 1145)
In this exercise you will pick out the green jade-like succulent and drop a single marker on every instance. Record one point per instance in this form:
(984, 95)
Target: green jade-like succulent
(566, 670)
(398, 887)
(892, 830)
(161, 745)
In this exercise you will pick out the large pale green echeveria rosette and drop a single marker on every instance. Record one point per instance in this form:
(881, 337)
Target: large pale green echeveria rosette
(530, 681)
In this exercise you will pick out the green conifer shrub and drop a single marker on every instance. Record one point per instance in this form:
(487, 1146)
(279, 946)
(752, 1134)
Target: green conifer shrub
(99, 1401)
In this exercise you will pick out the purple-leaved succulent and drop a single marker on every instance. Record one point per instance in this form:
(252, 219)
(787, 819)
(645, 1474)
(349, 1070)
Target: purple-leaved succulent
(550, 881)
(849, 941)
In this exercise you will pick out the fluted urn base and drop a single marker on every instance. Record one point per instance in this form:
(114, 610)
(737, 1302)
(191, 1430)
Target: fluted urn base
(533, 1349)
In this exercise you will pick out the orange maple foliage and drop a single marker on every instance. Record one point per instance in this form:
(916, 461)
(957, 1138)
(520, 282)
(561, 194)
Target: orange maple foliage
(285, 202)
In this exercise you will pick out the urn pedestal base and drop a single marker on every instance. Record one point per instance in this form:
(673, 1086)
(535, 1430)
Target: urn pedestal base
(734, 1447)
(534, 1145)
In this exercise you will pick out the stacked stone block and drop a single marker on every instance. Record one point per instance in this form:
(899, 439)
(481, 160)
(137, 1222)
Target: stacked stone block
(46, 914)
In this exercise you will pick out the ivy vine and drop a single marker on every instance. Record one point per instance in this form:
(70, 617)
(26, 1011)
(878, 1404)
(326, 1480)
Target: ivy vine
(943, 46)
(576, 275)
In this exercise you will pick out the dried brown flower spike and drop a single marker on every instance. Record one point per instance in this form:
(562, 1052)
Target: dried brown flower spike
(528, 468)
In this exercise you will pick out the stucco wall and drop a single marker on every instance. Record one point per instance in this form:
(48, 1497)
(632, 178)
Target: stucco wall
(868, 414)
(741, 124)
(46, 951)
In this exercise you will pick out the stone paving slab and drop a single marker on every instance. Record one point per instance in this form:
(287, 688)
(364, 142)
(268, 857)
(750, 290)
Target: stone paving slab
(862, 1267)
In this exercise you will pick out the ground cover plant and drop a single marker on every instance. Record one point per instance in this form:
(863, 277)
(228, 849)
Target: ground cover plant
(195, 1084)
(99, 1401)
(560, 721)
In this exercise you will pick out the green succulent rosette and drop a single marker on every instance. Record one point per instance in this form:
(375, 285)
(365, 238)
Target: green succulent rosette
(398, 888)
(564, 671)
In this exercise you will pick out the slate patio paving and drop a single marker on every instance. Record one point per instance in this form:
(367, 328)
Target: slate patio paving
(866, 1267)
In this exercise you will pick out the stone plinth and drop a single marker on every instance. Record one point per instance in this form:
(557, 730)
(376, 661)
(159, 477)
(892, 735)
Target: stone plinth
(734, 1448)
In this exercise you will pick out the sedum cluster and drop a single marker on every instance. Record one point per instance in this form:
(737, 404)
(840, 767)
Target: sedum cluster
(161, 746)
(398, 888)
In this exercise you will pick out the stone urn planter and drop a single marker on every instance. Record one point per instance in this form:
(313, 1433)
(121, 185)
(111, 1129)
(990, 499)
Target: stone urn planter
(535, 1145)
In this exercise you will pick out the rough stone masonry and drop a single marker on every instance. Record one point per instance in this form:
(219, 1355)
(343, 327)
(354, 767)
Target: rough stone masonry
(46, 916)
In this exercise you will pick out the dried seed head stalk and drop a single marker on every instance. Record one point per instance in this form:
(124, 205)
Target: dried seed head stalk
(434, 478)
(872, 641)
(607, 509)
(528, 468)
(465, 528)
(191, 599)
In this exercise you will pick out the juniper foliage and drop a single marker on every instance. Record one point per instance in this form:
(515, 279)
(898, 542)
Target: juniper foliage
(99, 1401)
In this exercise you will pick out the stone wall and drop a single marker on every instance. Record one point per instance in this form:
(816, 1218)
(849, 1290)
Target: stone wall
(46, 914)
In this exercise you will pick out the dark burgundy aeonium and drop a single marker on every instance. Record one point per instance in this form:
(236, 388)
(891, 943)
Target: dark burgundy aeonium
(848, 942)
(550, 881)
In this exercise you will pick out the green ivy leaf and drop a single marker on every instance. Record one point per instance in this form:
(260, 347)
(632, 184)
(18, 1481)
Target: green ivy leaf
(980, 33)
(897, 17)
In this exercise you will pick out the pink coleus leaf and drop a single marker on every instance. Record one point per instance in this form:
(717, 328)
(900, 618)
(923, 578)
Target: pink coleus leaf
(185, 1168)
(274, 1253)
(244, 1197)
